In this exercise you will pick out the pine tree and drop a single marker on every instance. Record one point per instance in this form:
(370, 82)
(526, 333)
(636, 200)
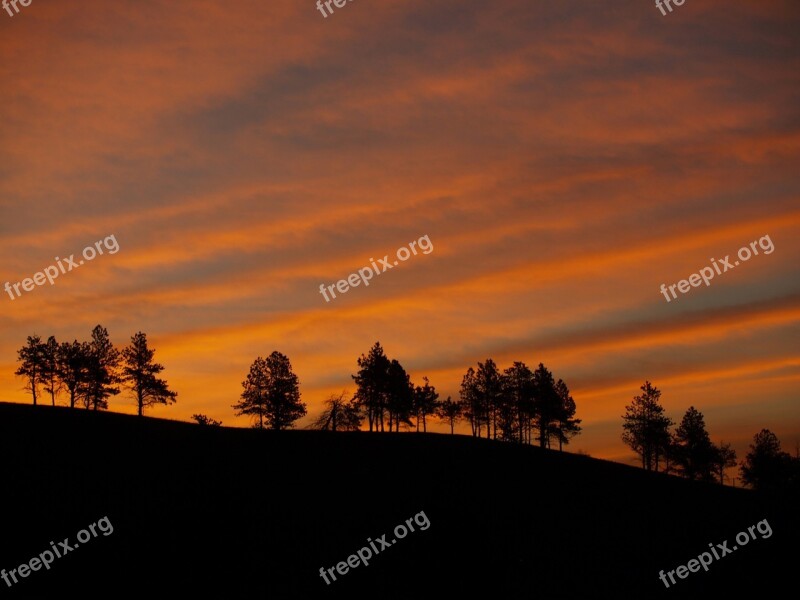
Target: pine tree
(450, 411)
(766, 466)
(425, 401)
(470, 402)
(271, 393)
(692, 449)
(102, 370)
(566, 426)
(139, 375)
(32, 358)
(372, 381)
(724, 457)
(489, 390)
(73, 368)
(50, 379)
(518, 390)
(399, 396)
(645, 427)
(546, 402)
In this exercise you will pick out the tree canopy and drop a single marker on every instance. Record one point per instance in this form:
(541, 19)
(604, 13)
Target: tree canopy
(271, 393)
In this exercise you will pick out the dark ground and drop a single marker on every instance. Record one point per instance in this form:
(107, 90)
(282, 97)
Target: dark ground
(251, 514)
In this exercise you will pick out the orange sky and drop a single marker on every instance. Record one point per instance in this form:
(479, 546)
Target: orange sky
(564, 158)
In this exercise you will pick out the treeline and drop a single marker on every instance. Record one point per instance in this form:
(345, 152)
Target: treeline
(689, 451)
(515, 405)
(91, 372)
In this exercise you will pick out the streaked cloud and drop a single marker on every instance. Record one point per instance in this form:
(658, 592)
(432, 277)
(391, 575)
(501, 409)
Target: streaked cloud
(565, 159)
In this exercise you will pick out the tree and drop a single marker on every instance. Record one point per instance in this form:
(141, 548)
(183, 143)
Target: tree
(645, 427)
(489, 394)
(470, 402)
(73, 368)
(449, 411)
(205, 421)
(546, 403)
(32, 358)
(102, 366)
(372, 381)
(693, 451)
(49, 373)
(518, 390)
(271, 393)
(340, 415)
(566, 426)
(724, 457)
(766, 466)
(139, 375)
(399, 393)
(425, 401)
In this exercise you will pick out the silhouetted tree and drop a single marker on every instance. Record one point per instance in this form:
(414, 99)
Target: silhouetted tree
(399, 396)
(372, 385)
(340, 415)
(489, 394)
(425, 401)
(73, 368)
(645, 427)
(139, 375)
(693, 451)
(102, 367)
(449, 411)
(546, 403)
(518, 391)
(50, 379)
(206, 421)
(724, 457)
(31, 357)
(766, 466)
(271, 393)
(566, 426)
(471, 402)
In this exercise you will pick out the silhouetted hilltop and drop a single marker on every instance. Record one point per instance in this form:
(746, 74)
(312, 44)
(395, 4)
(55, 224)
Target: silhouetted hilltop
(247, 513)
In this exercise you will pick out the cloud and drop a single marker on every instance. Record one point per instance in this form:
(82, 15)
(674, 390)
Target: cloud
(564, 158)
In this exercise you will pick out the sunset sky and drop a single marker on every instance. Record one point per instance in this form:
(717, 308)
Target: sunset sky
(564, 158)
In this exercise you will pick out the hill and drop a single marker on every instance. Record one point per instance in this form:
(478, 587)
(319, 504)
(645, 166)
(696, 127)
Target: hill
(246, 513)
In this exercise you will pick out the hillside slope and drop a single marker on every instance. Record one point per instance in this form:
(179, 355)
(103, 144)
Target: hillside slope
(245, 513)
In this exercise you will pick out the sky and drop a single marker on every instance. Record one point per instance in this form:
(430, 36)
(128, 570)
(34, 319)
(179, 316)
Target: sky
(564, 159)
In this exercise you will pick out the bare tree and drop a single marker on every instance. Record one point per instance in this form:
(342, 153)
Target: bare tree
(340, 414)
